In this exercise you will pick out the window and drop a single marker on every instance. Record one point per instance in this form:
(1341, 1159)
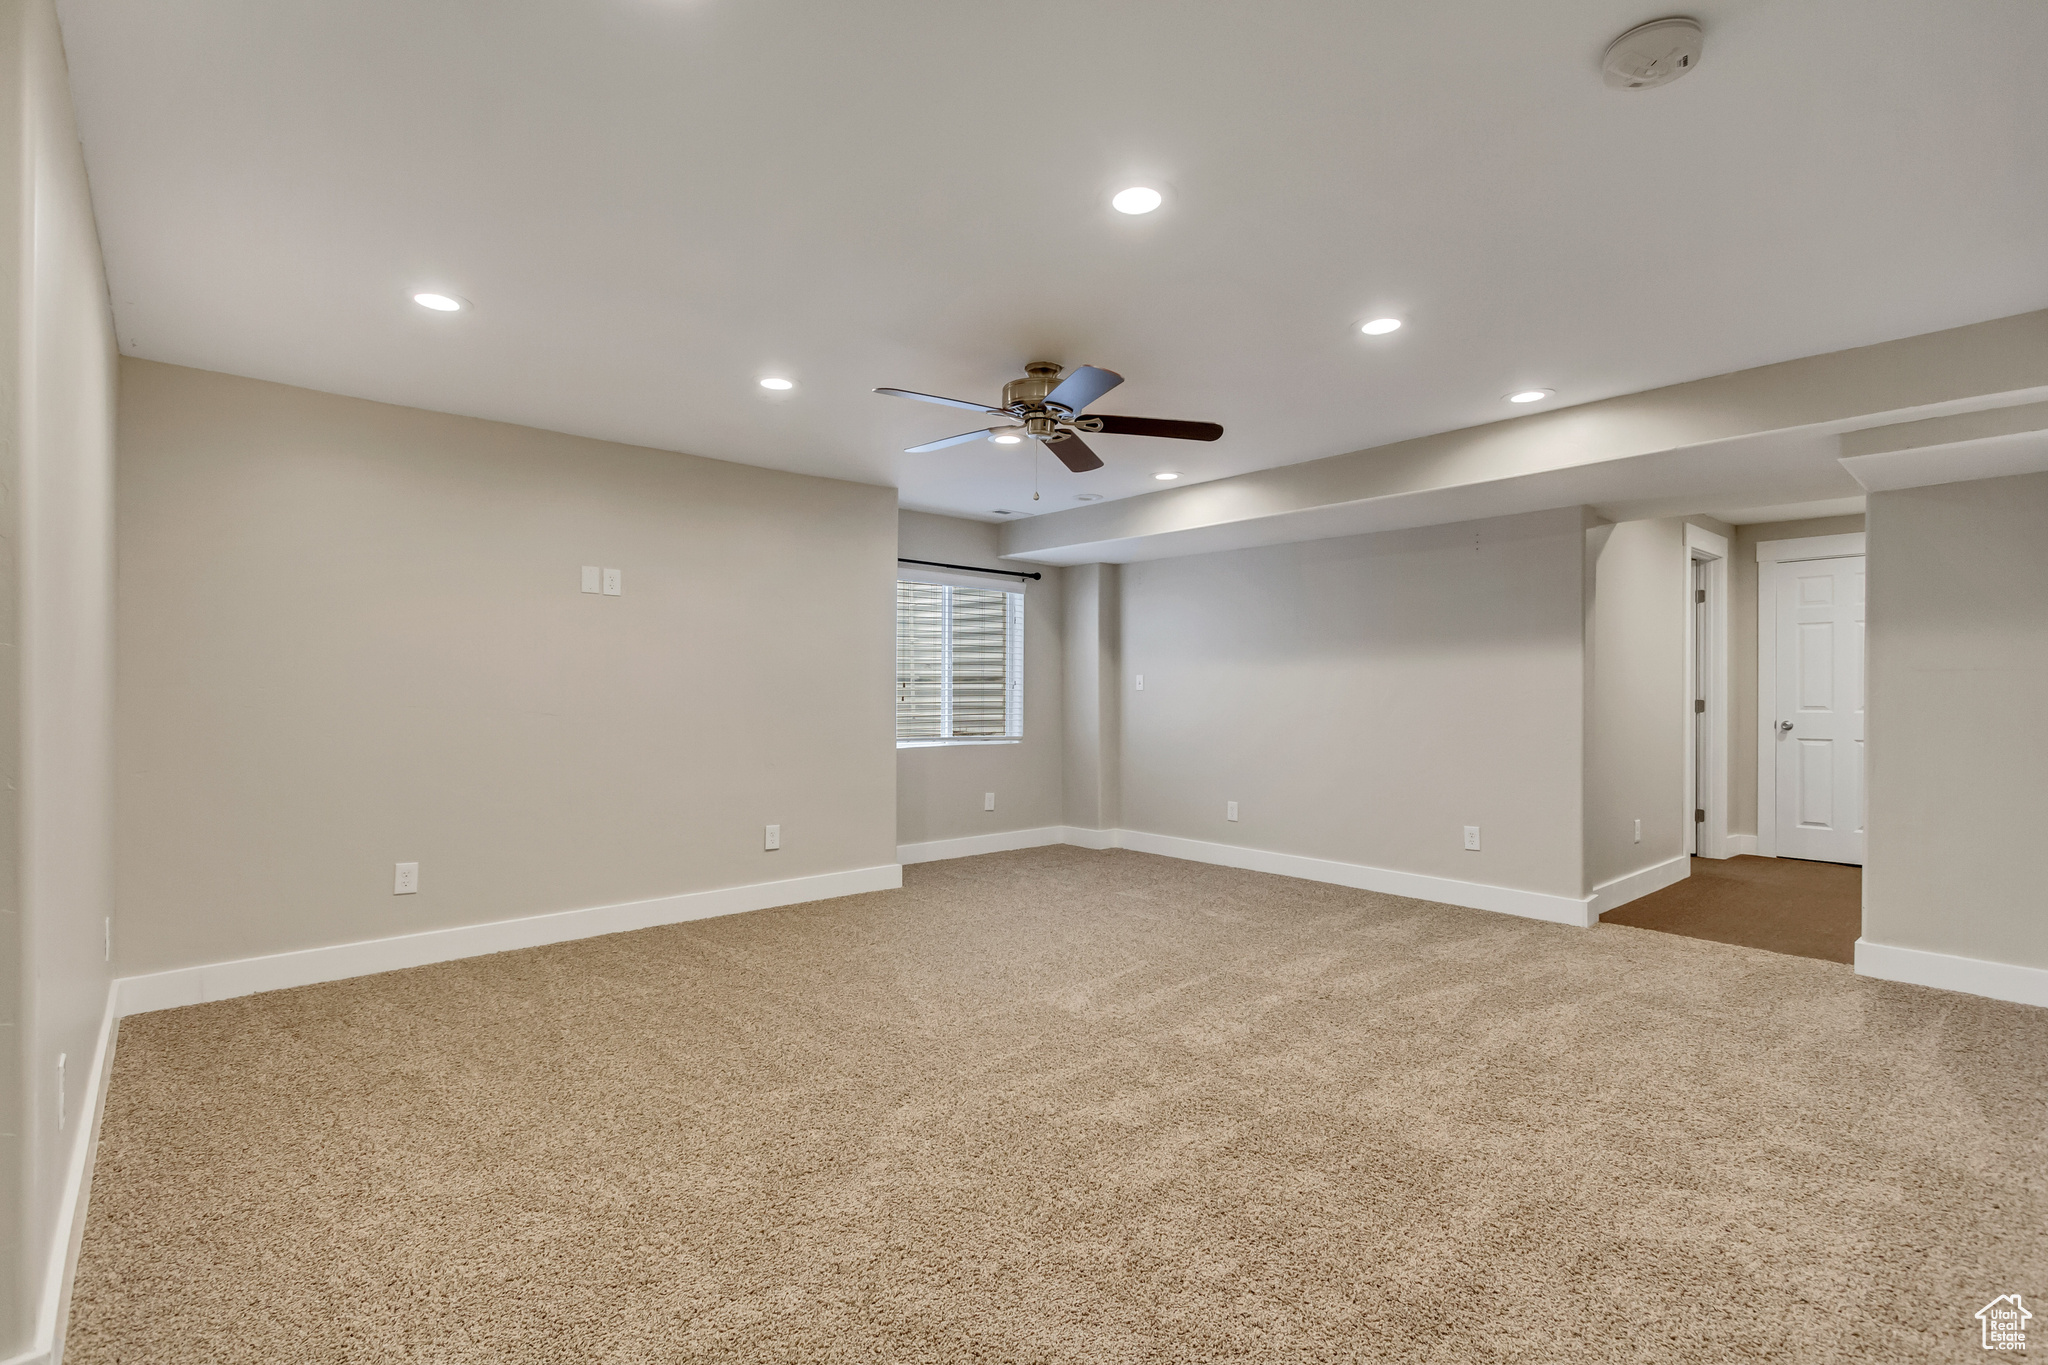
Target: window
(959, 664)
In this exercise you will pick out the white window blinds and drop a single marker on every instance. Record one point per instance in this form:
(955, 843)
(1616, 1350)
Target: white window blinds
(959, 663)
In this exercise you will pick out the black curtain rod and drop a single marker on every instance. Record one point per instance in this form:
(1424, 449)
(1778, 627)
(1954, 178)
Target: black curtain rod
(1003, 573)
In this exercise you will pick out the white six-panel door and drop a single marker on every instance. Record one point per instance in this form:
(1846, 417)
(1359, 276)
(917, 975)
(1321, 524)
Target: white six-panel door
(1818, 739)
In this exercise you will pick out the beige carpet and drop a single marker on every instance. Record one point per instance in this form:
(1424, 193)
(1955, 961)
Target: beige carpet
(1069, 1106)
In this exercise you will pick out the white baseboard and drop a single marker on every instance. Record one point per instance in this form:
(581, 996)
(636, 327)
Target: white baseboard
(1475, 895)
(1636, 885)
(973, 845)
(1004, 841)
(1740, 846)
(226, 980)
(1970, 975)
(53, 1312)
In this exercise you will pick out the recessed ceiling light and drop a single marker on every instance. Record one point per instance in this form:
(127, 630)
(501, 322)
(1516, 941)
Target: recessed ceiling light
(1379, 327)
(778, 384)
(1136, 199)
(1529, 396)
(440, 303)
(1087, 497)
(1006, 438)
(1166, 478)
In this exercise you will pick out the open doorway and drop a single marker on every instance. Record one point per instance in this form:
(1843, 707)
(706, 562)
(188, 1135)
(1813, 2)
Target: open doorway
(1802, 896)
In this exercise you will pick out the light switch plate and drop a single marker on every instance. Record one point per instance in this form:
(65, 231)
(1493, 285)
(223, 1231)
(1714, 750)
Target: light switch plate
(988, 800)
(1141, 682)
(592, 578)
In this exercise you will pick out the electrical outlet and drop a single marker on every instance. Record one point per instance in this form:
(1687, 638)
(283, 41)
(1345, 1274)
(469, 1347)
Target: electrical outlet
(1472, 838)
(774, 839)
(1230, 810)
(988, 800)
(407, 882)
(1141, 682)
(593, 578)
(614, 583)
(1639, 831)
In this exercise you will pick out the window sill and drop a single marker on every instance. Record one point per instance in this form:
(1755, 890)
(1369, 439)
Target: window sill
(949, 743)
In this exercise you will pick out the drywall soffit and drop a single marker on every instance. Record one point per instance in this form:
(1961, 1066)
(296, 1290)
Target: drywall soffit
(1663, 444)
(1972, 445)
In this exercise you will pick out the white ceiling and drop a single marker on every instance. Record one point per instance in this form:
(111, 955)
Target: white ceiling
(654, 202)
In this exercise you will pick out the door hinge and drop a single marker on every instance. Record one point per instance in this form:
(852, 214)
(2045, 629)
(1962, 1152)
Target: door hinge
(1699, 704)
(1699, 817)
(1702, 595)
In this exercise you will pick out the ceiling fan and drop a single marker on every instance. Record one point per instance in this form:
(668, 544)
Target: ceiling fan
(1044, 407)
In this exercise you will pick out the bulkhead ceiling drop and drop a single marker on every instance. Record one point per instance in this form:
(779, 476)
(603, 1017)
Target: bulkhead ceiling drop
(1652, 54)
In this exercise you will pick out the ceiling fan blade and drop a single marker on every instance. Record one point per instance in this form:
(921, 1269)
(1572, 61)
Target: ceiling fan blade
(1160, 426)
(962, 439)
(1082, 387)
(1075, 454)
(947, 402)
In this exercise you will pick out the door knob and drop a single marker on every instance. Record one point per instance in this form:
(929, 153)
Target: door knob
(1783, 726)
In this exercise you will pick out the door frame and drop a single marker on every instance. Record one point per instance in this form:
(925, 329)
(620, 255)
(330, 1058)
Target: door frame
(1769, 555)
(1707, 548)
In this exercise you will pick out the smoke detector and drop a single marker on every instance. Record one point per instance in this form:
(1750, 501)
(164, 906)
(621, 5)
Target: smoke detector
(1655, 53)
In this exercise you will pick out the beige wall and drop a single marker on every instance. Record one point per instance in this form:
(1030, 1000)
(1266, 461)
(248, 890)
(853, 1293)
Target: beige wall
(1742, 578)
(1636, 729)
(1958, 719)
(1364, 699)
(939, 789)
(56, 559)
(352, 635)
(66, 492)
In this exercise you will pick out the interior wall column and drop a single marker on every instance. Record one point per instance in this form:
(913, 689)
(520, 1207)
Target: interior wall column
(1092, 777)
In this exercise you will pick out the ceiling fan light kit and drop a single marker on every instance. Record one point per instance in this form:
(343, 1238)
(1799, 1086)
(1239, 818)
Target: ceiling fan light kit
(1046, 406)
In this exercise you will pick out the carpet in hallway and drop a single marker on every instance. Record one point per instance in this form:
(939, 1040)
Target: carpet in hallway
(1058, 1105)
(1784, 905)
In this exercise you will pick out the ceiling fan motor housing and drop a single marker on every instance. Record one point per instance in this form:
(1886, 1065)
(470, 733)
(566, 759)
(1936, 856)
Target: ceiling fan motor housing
(1041, 377)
